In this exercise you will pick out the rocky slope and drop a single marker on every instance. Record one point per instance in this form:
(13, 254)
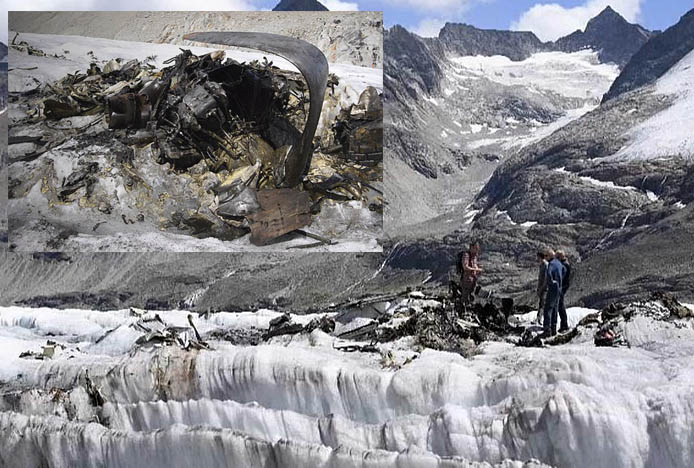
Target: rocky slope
(656, 57)
(344, 37)
(3, 146)
(464, 39)
(200, 280)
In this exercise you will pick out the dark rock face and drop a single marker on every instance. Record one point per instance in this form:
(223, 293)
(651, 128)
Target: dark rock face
(409, 61)
(463, 39)
(414, 152)
(615, 38)
(3, 50)
(656, 57)
(411, 68)
(299, 5)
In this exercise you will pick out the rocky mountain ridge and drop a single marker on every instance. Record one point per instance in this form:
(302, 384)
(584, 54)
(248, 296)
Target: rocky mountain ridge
(464, 39)
(615, 39)
(656, 57)
(609, 33)
(299, 5)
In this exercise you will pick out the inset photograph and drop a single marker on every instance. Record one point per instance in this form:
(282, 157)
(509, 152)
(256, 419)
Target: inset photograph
(191, 131)
(3, 146)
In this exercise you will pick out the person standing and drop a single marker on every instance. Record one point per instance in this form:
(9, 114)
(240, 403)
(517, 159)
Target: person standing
(541, 283)
(566, 282)
(470, 271)
(555, 276)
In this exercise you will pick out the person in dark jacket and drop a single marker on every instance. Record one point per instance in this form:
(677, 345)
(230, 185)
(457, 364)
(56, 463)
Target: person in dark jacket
(555, 277)
(566, 282)
(541, 283)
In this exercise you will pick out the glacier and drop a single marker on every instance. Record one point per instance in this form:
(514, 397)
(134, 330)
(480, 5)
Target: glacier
(295, 400)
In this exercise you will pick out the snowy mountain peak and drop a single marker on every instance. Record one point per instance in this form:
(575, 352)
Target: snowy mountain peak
(609, 18)
(606, 15)
(609, 33)
(299, 5)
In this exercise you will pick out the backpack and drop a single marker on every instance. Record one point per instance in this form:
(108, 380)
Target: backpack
(459, 262)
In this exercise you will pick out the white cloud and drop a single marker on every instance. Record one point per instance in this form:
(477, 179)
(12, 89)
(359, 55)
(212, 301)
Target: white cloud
(337, 5)
(550, 21)
(429, 27)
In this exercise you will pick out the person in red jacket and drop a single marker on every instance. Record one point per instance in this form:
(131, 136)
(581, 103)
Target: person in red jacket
(470, 271)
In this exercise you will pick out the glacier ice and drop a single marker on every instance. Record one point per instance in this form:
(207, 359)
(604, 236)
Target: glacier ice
(668, 133)
(297, 401)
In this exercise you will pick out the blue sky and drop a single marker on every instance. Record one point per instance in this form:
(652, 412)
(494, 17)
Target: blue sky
(549, 19)
(427, 16)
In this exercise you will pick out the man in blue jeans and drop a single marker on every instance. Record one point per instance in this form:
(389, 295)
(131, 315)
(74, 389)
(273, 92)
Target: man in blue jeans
(555, 276)
(565, 283)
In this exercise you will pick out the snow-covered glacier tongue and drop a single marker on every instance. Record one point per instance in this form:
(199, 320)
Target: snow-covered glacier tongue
(174, 388)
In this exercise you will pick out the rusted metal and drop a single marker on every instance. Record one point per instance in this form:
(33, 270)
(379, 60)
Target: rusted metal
(313, 66)
(282, 211)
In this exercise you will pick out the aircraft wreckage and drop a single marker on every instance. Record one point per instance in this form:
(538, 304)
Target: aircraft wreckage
(245, 133)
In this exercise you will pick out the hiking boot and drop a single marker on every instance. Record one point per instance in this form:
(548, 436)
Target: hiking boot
(563, 329)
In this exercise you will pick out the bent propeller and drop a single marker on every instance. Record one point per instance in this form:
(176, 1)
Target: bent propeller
(313, 66)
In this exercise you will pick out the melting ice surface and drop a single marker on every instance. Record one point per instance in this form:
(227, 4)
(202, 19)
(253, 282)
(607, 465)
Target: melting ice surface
(576, 74)
(577, 80)
(669, 132)
(296, 401)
